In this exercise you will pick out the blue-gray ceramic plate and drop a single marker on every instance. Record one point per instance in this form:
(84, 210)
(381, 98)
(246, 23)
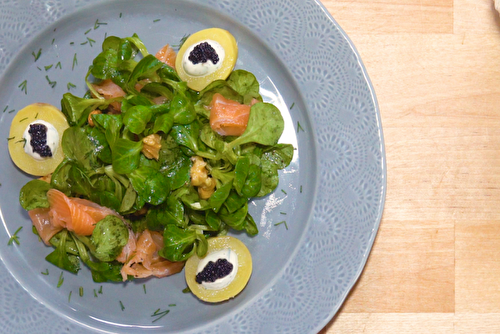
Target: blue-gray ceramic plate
(331, 196)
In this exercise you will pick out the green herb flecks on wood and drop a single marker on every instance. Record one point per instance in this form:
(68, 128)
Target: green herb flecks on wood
(14, 237)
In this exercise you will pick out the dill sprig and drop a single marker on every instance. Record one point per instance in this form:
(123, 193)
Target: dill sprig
(69, 297)
(48, 67)
(88, 31)
(23, 86)
(293, 104)
(186, 290)
(22, 141)
(154, 21)
(10, 138)
(22, 120)
(37, 55)
(80, 291)
(95, 293)
(121, 305)
(299, 127)
(181, 42)
(75, 62)
(159, 314)
(14, 237)
(46, 272)
(70, 85)
(100, 290)
(90, 40)
(51, 83)
(61, 280)
(59, 65)
(282, 222)
(98, 24)
(284, 192)
(144, 288)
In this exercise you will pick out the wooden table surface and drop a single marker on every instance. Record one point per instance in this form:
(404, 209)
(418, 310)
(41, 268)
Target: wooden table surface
(435, 265)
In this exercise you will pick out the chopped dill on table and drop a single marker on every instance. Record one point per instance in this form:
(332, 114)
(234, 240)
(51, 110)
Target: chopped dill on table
(95, 293)
(69, 297)
(22, 120)
(144, 288)
(59, 65)
(70, 85)
(284, 192)
(88, 31)
(121, 305)
(293, 104)
(80, 291)
(48, 67)
(46, 272)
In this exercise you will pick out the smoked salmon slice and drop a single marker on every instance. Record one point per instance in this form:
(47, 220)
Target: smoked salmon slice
(228, 117)
(109, 90)
(146, 261)
(167, 55)
(75, 214)
(41, 220)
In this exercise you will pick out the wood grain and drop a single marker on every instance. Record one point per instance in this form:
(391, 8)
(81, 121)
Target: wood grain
(435, 265)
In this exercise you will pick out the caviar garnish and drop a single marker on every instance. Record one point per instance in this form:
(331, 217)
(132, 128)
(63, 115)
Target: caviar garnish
(38, 133)
(213, 271)
(202, 53)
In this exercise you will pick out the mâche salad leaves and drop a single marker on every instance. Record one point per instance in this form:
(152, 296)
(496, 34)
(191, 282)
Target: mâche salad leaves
(105, 160)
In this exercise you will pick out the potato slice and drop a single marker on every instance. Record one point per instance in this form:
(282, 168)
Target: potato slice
(25, 116)
(228, 43)
(239, 282)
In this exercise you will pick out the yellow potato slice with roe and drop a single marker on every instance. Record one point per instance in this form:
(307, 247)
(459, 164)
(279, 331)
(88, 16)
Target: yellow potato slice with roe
(236, 286)
(228, 43)
(33, 112)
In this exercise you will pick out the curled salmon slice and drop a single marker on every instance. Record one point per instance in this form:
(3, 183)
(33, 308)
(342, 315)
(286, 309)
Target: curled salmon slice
(75, 214)
(228, 117)
(167, 55)
(109, 90)
(41, 220)
(146, 261)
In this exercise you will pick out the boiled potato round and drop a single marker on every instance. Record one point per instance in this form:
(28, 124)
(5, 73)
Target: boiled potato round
(226, 40)
(239, 282)
(25, 116)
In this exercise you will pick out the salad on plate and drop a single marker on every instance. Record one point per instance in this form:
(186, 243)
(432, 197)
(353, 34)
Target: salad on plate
(147, 172)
